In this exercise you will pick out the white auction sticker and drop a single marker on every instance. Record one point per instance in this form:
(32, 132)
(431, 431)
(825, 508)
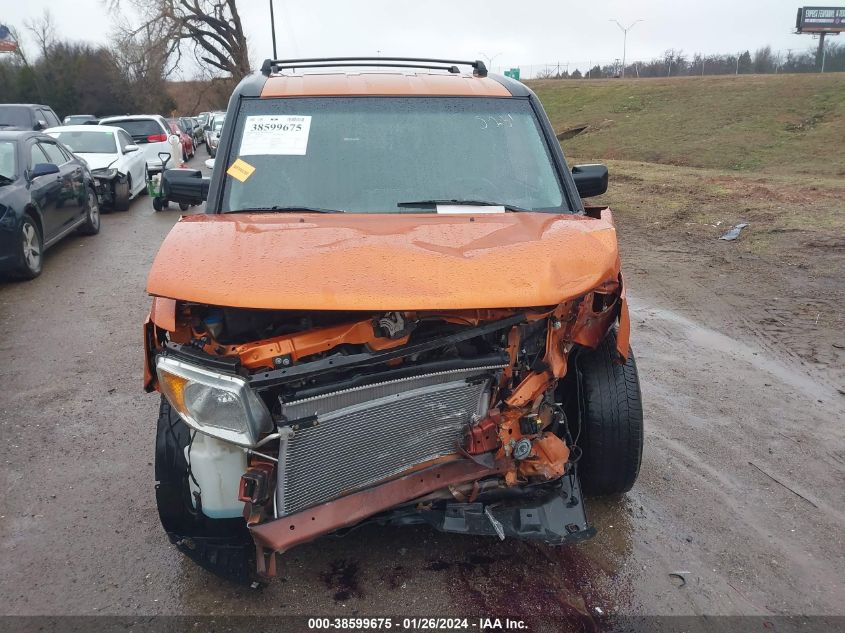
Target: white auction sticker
(275, 135)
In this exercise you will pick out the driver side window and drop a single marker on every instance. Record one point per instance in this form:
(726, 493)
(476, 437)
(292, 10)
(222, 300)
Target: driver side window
(37, 155)
(54, 153)
(124, 139)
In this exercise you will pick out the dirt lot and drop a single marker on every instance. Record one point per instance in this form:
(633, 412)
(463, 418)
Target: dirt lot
(741, 494)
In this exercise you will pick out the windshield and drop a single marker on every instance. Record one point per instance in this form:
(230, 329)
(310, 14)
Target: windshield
(7, 162)
(15, 116)
(373, 154)
(93, 142)
(218, 124)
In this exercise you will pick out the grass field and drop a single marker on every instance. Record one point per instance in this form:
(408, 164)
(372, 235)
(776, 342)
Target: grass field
(690, 157)
(764, 123)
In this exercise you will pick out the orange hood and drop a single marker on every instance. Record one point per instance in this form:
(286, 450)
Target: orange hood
(384, 262)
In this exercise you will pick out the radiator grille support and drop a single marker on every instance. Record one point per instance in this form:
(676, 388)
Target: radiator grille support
(350, 439)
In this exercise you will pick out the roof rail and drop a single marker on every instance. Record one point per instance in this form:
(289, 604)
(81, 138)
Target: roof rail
(271, 66)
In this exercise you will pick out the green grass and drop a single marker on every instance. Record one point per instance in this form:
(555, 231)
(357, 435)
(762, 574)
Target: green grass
(775, 124)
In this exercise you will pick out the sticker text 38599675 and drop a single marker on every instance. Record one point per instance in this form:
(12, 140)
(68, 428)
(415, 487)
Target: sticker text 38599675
(272, 134)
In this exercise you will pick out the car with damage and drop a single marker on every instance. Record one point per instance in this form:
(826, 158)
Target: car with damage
(396, 309)
(151, 133)
(118, 166)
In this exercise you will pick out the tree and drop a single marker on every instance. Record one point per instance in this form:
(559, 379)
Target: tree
(210, 29)
(764, 61)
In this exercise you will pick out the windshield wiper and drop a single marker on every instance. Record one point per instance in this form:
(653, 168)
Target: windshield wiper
(5, 180)
(467, 203)
(291, 209)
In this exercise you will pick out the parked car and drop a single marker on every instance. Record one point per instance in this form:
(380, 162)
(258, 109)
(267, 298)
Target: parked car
(150, 132)
(185, 138)
(212, 135)
(80, 119)
(412, 318)
(202, 117)
(193, 127)
(27, 116)
(116, 162)
(45, 194)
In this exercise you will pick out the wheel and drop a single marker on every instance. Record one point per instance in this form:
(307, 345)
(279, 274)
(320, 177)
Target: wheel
(184, 206)
(91, 226)
(158, 203)
(122, 193)
(222, 546)
(611, 436)
(208, 149)
(212, 152)
(32, 246)
(184, 156)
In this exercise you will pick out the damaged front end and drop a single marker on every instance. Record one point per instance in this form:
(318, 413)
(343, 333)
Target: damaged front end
(306, 422)
(111, 184)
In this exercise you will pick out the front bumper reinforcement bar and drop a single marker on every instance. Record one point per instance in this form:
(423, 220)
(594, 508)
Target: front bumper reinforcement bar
(283, 533)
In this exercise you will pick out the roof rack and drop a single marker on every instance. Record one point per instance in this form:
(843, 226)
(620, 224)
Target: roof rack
(271, 66)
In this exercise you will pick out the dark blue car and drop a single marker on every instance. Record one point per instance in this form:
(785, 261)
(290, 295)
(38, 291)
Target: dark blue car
(46, 193)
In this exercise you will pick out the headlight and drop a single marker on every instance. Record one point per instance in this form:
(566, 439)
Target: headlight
(217, 404)
(108, 174)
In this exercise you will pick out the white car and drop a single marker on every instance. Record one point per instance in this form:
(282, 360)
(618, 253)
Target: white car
(117, 164)
(151, 133)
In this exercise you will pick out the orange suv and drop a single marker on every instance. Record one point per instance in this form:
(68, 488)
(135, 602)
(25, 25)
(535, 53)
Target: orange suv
(396, 308)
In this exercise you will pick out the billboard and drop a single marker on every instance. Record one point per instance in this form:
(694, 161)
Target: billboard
(820, 20)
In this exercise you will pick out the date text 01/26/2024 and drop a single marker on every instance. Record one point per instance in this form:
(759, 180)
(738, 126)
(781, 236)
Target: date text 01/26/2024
(417, 624)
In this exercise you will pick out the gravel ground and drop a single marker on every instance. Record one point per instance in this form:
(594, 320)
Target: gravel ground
(741, 491)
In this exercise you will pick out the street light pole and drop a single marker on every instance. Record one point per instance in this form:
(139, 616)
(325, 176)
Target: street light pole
(273, 29)
(625, 39)
(489, 59)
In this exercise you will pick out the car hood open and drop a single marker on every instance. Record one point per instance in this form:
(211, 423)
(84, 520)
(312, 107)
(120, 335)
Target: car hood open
(384, 261)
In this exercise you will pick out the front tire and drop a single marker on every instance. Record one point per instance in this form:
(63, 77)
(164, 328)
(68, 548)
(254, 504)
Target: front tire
(31, 249)
(122, 194)
(221, 546)
(612, 420)
(91, 226)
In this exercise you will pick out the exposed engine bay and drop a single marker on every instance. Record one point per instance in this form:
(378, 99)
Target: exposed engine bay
(467, 420)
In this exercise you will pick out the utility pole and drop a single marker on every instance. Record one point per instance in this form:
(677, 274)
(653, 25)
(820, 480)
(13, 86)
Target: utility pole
(625, 39)
(273, 29)
(489, 59)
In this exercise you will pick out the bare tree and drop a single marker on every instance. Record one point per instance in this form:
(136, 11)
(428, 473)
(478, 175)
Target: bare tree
(44, 32)
(211, 29)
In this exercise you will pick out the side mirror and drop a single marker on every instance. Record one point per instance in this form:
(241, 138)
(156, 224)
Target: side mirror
(130, 148)
(41, 124)
(43, 169)
(591, 180)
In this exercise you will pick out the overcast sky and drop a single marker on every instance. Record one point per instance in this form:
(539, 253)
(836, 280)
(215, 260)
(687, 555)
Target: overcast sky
(516, 33)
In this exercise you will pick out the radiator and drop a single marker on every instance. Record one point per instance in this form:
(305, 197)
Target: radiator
(347, 440)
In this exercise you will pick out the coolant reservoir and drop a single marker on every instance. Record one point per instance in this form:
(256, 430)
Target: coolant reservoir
(217, 467)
